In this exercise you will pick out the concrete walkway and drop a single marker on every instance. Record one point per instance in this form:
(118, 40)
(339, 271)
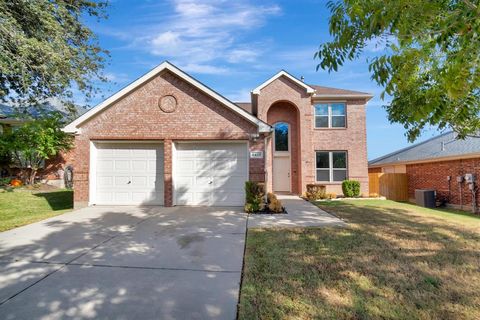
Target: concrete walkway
(300, 213)
(124, 263)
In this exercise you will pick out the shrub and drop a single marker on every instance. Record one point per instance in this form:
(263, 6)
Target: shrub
(4, 182)
(331, 195)
(254, 193)
(271, 197)
(315, 192)
(275, 205)
(351, 188)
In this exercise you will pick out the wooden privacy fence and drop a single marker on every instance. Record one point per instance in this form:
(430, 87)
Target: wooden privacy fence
(392, 186)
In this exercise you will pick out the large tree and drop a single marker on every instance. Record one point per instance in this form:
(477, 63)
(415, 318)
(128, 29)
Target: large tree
(46, 50)
(430, 66)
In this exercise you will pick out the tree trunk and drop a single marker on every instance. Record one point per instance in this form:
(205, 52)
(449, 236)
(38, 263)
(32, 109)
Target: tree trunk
(31, 179)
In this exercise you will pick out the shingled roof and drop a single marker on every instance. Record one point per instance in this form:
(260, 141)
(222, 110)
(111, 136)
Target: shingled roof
(334, 91)
(443, 146)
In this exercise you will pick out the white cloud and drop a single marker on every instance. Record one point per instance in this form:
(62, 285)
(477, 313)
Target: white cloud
(200, 34)
(242, 95)
(242, 55)
(116, 77)
(203, 68)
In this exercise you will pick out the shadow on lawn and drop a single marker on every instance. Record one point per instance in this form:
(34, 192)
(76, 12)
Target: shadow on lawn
(58, 200)
(387, 264)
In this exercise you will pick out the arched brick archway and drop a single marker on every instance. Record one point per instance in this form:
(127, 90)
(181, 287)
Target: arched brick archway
(285, 164)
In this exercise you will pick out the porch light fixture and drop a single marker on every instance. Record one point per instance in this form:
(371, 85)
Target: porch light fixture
(254, 136)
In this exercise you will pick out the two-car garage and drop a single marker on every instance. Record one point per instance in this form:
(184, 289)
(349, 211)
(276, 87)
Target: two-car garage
(209, 173)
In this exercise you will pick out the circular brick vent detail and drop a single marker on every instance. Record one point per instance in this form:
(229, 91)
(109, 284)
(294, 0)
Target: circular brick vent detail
(168, 103)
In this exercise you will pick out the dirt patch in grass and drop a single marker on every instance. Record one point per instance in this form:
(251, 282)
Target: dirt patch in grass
(394, 261)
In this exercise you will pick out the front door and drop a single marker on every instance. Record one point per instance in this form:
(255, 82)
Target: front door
(281, 158)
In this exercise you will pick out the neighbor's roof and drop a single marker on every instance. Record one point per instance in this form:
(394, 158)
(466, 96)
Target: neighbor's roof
(74, 127)
(437, 148)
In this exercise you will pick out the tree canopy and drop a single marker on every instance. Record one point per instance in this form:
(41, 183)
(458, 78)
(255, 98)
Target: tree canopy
(46, 50)
(430, 66)
(29, 145)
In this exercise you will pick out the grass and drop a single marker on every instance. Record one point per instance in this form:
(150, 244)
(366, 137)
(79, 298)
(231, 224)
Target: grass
(394, 261)
(19, 207)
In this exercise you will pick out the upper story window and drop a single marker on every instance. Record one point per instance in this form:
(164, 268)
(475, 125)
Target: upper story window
(331, 166)
(330, 115)
(281, 139)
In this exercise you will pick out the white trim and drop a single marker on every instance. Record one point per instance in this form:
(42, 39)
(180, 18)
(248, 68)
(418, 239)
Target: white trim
(330, 166)
(174, 167)
(289, 146)
(329, 115)
(283, 73)
(92, 181)
(74, 126)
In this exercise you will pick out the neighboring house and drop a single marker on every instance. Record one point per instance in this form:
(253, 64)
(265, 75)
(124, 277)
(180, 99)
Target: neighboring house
(53, 169)
(168, 139)
(436, 164)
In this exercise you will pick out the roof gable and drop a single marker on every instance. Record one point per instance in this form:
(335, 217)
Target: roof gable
(283, 73)
(74, 127)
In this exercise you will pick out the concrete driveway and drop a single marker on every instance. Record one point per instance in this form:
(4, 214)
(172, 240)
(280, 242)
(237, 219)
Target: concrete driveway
(124, 263)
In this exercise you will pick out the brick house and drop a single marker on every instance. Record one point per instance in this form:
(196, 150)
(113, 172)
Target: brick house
(167, 139)
(437, 163)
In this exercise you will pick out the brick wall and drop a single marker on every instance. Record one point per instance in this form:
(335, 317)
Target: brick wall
(433, 175)
(137, 116)
(54, 167)
(352, 139)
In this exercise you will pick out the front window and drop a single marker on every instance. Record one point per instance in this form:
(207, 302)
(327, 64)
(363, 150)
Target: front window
(331, 166)
(281, 136)
(330, 115)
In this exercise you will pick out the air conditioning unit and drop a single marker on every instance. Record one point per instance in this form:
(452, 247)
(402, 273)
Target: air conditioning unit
(425, 198)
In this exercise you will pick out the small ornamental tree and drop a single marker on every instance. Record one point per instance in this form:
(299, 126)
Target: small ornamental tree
(34, 142)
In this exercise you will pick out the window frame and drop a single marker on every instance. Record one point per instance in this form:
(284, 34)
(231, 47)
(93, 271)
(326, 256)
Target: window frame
(288, 138)
(330, 166)
(329, 114)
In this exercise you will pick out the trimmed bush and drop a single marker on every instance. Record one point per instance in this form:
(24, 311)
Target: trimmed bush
(351, 188)
(315, 191)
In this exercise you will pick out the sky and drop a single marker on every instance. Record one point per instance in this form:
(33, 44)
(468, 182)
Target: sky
(233, 46)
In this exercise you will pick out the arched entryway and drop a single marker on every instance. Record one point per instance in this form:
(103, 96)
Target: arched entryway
(283, 116)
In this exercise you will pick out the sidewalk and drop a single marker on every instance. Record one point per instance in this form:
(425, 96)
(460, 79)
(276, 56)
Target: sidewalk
(300, 213)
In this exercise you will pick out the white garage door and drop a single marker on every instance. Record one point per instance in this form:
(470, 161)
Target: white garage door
(129, 174)
(210, 174)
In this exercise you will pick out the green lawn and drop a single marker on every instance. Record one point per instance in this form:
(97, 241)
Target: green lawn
(21, 206)
(394, 261)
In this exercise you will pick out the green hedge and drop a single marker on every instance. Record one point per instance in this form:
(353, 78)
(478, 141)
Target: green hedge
(351, 188)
